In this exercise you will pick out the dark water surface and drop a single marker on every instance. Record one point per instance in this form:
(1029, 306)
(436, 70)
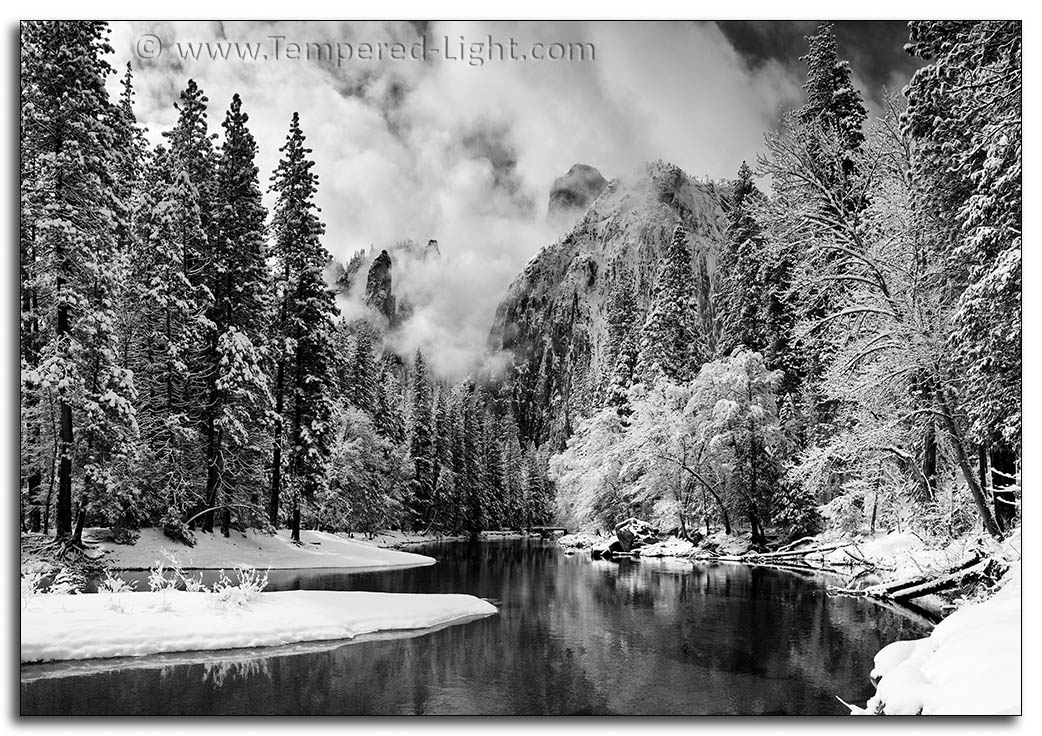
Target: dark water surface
(573, 636)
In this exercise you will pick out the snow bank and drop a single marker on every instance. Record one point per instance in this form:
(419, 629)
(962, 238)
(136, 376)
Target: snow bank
(62, 627)
(214, 552)
(969, 665)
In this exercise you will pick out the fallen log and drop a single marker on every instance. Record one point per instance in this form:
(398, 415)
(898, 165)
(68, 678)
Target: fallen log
(888, 589)
(790, 545)
(946, 582)
(798, 552)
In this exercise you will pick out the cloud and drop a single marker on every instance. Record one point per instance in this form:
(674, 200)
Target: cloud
(465, 153)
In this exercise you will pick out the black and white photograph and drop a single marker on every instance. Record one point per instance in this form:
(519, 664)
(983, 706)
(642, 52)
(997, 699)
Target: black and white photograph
(518, 368)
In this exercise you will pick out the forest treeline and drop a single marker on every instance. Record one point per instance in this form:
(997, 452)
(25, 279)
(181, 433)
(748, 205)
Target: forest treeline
(183, 361)
(184, 364)
(864, 371)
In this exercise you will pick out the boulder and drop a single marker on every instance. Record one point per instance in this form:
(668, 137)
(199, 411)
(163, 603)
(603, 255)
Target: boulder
(634, 533)
(606, 550)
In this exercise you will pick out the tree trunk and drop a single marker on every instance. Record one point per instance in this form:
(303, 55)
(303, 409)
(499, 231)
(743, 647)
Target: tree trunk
(77, 536)
(63, 520)
(295, 528)
(276, 454)
(1003, 480)
(929, 464)
(967, 473)
(212, 471)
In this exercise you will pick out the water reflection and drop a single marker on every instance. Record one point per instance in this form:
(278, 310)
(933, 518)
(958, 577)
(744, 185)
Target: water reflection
(572, 637)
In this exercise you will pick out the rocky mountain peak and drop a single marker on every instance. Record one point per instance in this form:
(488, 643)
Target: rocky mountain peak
(573, 193)
(378, 293)
(554, 321)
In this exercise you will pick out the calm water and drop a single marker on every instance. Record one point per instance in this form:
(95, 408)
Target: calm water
(573, 636)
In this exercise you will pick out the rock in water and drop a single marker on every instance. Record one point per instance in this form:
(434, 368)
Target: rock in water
(634, 533)
(554, 320)
(572, 194)
(606, 550)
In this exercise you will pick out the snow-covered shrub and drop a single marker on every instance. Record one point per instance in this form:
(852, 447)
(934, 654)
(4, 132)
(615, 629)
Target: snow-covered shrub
(226, 594)
(112, 586)
(845, 513)
(158, 582)
(175, 528)
(66, 582)
(192, 584)
(157, 579)
(32, 581)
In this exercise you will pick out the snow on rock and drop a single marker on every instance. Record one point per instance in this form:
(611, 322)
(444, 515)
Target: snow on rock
(63, 627)
(969, 665)
(583, 540)
(723, 545)
(671, 547)
(277, 552)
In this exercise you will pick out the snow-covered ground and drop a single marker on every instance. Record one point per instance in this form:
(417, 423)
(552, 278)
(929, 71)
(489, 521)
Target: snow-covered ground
(62, 627)
(969, 665)
(902, 554)
(214, 552)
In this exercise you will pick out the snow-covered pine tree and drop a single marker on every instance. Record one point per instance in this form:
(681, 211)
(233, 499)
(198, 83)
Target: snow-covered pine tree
(470, 478)
(742, 288)
(492, 484)
(623, 320)
(305, 363)
(832, 100)
(240, 283)
(389, 416)
(512, 461)
(191, 151)
(69, 246)
(671, 343)
(421, 445)
(166, 327)
(363, 387)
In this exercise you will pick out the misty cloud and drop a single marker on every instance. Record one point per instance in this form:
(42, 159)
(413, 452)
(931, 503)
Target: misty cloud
(467, 154)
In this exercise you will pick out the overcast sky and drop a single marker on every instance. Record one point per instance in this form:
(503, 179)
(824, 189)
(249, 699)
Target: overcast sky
(466, 154)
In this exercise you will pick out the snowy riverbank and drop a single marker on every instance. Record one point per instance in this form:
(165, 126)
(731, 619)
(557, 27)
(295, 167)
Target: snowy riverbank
(971, 662)
(969, 665)
(65, 627)
(277, 552)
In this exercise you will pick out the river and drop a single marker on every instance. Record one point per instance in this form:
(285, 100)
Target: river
(573, 636)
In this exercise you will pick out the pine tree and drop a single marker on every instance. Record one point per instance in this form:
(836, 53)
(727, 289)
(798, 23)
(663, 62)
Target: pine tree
(832, 100)
(240, 283)
(388, 416)
(672, 345)
(493, 482)
(421, 445)
(363, 388)
(759, 314)
(191, 153)
(623, 340)
(305, 363)
(166, 334)
(71, 215)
